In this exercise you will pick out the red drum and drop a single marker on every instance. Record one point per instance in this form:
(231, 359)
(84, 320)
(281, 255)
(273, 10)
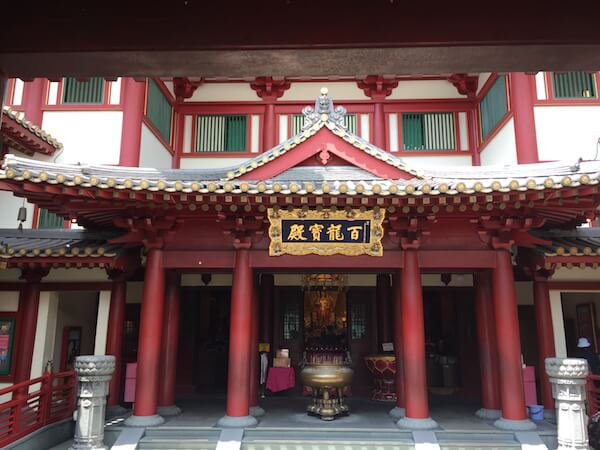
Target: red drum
(383, 368)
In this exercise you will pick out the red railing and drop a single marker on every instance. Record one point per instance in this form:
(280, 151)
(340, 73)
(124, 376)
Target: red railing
(593, 394)
(51, 401)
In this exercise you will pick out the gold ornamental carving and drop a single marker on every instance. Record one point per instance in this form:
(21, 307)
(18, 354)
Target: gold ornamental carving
(325, 232)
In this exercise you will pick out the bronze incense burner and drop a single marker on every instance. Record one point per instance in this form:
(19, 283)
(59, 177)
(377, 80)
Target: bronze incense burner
(325, 380)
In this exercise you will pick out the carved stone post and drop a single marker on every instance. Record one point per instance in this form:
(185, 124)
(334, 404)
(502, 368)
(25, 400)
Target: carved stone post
(568, 379)
(93, 376)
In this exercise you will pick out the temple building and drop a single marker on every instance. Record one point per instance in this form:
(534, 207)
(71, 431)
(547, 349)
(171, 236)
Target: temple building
(437, 234)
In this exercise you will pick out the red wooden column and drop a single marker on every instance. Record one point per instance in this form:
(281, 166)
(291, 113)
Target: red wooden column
(240, 336)
(514, 415)
(378, 88)
(545, 338)
(488, 350)
(33, 100)
(413, 346)
(521, 102)
(114, 338)
(269, 90)
(255, 409)
(384, 329)
(170, 344)
(150, 337)
(398, 411)
(133, 99)
(29, 301)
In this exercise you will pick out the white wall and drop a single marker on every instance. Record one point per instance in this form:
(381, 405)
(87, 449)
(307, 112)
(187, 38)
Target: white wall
(502, 149)
(75, 309)
(483, 77)
(152, 152)
(339, 91)
(421, 89)
(208, 163)
(9, 301)
(437, 161)
(224, 92)
(102, 323)
(45, 332)
(9, 205)
(567, 132)
(92, 137)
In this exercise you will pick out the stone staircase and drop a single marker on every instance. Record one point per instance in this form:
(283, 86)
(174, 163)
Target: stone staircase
(331, 439)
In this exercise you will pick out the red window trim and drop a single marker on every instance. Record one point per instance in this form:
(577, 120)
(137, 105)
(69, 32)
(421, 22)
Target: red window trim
(157, 134)
(36, 218)
(168, 144)
(553, 101)
(10, 92)
(455, 151)
(503, 121)
(104, 106)
(244, 154)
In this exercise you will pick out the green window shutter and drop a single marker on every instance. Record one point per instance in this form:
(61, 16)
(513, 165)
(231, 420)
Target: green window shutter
(428, 131)
(493, 107)
(48, 220)
(298, 123)
(83, 92)
(574, 85)
(221, 133)
(159, 110)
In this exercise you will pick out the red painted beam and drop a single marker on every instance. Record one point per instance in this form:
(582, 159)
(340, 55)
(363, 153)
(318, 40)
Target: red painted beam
(391, 259)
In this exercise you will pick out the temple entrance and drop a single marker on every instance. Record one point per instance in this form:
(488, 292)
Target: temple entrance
(204, 339)
(332, 316)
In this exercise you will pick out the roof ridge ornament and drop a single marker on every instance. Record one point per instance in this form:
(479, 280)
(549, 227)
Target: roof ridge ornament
(323, 110)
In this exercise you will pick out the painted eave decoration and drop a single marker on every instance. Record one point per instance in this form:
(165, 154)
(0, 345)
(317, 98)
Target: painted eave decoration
(22, 135)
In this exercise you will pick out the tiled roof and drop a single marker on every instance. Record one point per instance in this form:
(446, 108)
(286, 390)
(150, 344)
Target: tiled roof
(578, 242)
(56, 243)
(302, 180)
(469, 180)
(18, 118)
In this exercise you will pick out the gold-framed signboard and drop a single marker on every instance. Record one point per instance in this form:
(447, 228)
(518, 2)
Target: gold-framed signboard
(325, 232)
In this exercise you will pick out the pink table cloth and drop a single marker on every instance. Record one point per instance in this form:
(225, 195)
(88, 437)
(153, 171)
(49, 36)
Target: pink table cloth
(281, 378)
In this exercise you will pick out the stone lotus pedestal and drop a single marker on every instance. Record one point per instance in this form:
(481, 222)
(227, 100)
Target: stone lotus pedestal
(568, 379)
(383, 369)
(93, 376)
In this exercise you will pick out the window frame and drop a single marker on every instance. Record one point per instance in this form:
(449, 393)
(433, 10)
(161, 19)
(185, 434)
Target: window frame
(429, 151)
(551, 99)
(483, 142)
(104, 106)
(174, 119)
(245, 152)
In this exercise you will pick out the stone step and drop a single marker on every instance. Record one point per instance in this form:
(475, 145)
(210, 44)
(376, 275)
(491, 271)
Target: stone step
(332, 439)
(179, 439)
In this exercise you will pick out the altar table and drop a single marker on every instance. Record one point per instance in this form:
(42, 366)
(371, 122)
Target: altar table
(281, 378)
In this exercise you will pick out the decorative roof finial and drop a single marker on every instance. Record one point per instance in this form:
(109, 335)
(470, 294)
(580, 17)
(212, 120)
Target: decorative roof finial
(324, 111)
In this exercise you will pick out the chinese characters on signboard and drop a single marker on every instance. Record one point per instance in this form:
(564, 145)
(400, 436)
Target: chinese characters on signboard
(300, 232)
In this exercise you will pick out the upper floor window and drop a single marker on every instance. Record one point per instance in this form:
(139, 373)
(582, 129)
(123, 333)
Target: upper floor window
(159, 110)
(428, 131)
(48, 220)
(222, 133)
(89, 91)
(574, 85)
(298, 123)
(493, 107)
